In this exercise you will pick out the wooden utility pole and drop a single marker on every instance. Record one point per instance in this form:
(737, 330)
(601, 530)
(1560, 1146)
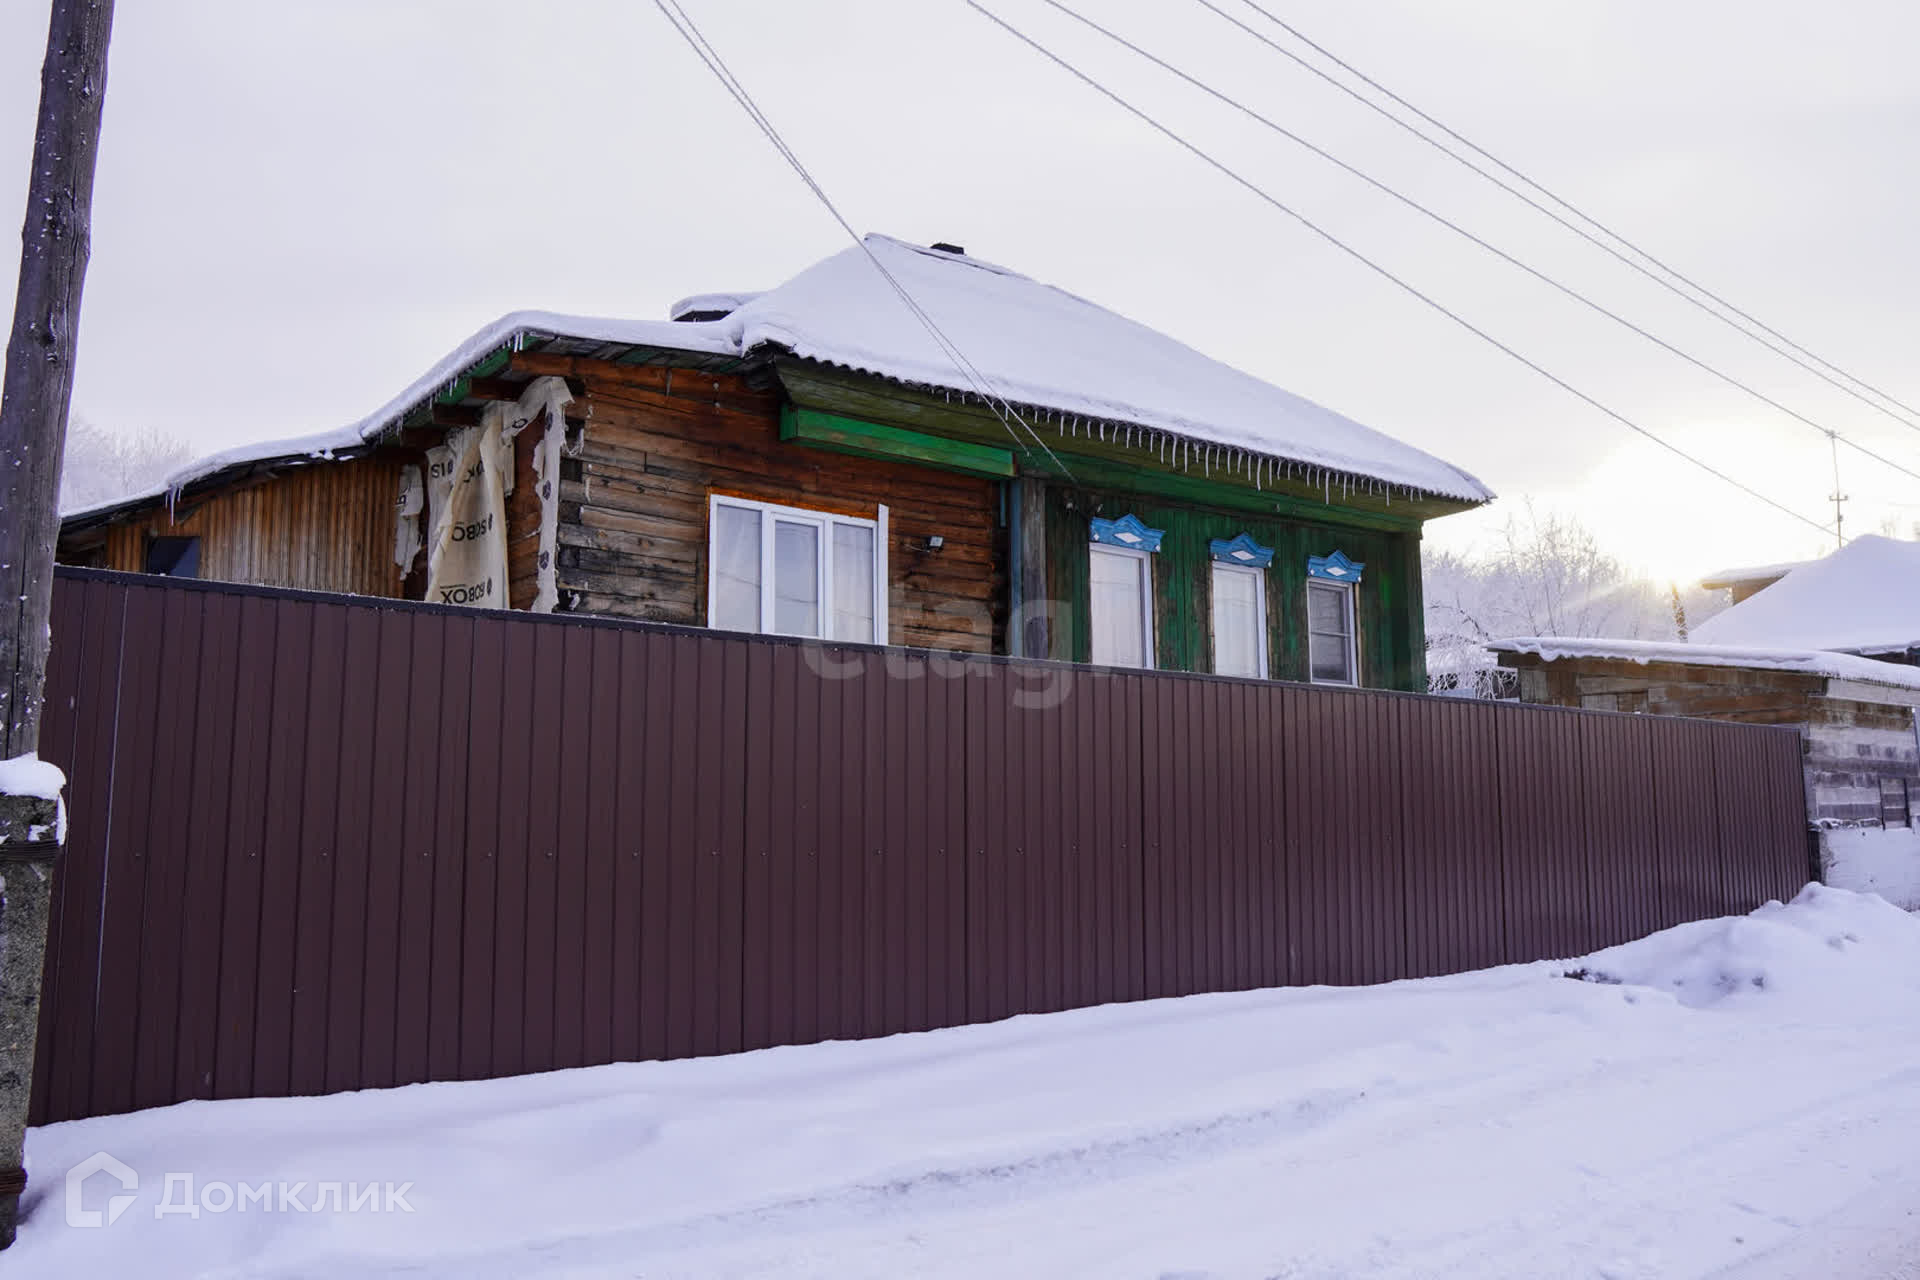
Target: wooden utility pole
(33, 437)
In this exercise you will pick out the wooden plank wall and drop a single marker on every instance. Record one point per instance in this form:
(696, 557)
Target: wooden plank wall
(325, 527)
(324, 843)
(1392, 629)
(633, 519)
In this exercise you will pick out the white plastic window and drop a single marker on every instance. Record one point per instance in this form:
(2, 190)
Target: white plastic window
(1331, 654)
(1239, 620)
(1120, 595)
(790, 571)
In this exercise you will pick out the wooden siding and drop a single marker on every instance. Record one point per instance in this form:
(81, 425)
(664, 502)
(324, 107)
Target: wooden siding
(324, 527)
(660, 442)
(1392, 632)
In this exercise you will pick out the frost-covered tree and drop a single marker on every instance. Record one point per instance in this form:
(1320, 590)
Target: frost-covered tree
(1547, 576)
(102, 465)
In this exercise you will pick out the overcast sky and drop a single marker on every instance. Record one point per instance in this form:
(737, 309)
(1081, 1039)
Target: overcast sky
(303, 204)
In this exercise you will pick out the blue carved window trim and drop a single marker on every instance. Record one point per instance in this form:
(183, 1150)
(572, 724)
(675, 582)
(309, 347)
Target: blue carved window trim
(1241, 549)
(1129, 532)
(1334, 568)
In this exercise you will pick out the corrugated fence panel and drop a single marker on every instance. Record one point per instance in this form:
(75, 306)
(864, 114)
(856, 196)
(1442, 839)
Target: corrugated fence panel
(1543, 832)
(1451, 801)
(322, 843)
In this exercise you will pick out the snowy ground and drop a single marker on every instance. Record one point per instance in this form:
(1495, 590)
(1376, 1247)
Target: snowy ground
(1736, 1097)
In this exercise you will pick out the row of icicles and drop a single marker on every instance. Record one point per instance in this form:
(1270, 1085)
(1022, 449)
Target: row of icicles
(1180, 452)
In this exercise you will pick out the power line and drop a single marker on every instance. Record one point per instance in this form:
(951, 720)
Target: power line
(1459, 230)
(1787, 351)
(1373, 266)
(689, 31)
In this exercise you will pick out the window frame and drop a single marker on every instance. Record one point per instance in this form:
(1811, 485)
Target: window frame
(1144, 559)
(1348, 593)
(1261, 639)
(823, 521)
(187, 547)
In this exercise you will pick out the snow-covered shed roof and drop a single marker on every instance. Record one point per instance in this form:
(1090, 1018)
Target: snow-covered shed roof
(1864, 598)
(1819, 662)
(1028, 344)
(509, 332)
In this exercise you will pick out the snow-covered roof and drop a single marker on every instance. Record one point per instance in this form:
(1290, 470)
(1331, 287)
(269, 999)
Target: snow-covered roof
(1028, 343)
(709, 305)
(1819, 662)
(1864, 598)
(1751, 573)
(1034, 344)
(713, 338)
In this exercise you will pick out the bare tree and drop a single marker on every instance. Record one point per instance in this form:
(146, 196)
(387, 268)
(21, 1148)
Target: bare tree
(1549, 576)
(103, 465)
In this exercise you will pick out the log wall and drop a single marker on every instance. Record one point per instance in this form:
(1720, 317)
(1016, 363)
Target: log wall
(634, 506)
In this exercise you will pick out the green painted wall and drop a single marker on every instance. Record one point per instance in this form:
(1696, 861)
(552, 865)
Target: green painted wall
(1392, 639)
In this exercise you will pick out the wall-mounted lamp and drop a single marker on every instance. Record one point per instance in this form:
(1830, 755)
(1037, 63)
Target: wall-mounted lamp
(936, 542)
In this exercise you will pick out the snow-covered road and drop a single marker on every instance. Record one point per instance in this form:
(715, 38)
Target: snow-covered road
(1736, 1098)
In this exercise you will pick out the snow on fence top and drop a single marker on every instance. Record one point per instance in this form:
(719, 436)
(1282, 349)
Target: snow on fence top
(1864, 598)
(1028, 343)
(1834, 666)
(29, 775)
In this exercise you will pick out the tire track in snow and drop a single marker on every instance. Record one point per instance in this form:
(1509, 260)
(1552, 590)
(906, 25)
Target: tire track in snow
(977, 1186)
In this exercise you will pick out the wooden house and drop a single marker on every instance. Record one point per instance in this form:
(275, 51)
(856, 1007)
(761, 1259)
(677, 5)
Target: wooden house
(901, 445)
(1860, 719)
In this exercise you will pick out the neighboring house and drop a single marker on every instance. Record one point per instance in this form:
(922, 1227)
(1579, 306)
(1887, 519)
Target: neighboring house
(1862, 599)
(1859, 719)
(814, 461)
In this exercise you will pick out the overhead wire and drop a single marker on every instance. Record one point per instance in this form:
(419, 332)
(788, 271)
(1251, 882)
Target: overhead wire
(1456, 228)
(690, 32)
(1785, 347)
(1384, 272)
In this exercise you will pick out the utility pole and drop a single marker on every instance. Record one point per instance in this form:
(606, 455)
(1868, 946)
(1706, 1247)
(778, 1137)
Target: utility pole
(34, 401)
(1837, 497)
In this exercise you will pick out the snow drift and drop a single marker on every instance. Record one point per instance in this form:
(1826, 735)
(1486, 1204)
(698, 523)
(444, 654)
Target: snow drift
(1715, 1098)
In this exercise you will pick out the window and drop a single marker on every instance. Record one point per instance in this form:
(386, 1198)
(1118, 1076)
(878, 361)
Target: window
(1120, 593)
(174, 557)
(1239, 621)
(1330, 649)
(795, 572)
(1240, 606)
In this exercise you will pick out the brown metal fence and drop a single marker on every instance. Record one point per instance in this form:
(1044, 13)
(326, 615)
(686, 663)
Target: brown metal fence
(322, 843)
